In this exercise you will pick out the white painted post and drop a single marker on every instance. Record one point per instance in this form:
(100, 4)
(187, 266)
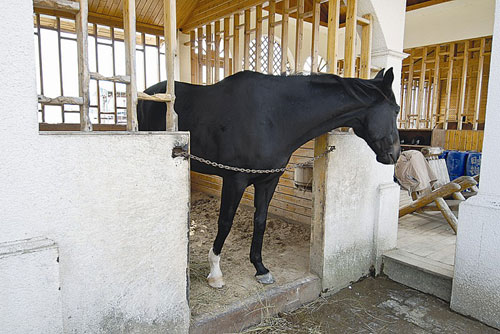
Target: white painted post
(476, 282)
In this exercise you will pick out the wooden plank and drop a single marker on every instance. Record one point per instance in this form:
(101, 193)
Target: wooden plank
(284, 35)
(209, 53)
(315, 35)
(60, 5)
(463, 84)
(246, 43)
(83, 64)
(170, 27)
(236, 43)
(270, 35)
(333, 34)
(421, 84)
(258, 38)
(227, 70)
(350, 38)
(299, 36)
(217, 51)
(194, 57)
(366, 48)
(479, 84)
(449, 79)
(200, 55)
(125, 79)
(60, 100)
(159, 97)
(434, 118)
(130, 63)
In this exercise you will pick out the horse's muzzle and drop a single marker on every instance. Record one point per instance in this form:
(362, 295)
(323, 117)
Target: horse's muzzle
(392, 156)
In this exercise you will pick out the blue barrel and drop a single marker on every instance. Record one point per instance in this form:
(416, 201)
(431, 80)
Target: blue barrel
(473, 164)
(455, 161)
(443, 155)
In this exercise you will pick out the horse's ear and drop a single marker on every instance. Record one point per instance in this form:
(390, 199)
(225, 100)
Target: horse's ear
(388, 78)
(380, 74)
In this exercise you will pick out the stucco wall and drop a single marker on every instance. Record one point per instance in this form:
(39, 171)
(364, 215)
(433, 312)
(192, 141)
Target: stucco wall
(116, 204)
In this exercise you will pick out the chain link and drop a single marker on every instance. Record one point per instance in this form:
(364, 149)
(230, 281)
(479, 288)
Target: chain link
(254, 171)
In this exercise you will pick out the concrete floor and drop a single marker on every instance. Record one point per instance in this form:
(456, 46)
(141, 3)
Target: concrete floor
(374, 306)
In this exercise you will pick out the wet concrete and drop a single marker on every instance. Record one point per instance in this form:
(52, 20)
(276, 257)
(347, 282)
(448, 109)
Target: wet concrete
(374, 306)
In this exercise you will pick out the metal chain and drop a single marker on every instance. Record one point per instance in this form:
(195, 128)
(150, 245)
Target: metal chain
(254, 171)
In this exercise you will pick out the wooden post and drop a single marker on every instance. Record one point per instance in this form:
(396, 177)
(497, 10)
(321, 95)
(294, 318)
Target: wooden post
(194, 58)
(463, 84)
(409, 92)
(333, 35)
(447, 213)
(284, 35)
(217, 51)
(170, 27)
(246, 39)
(270, 35)
(366, 48)
(258, 37)
(350, 38)
(200, 55)
(299, 35)
(449, 79)
(83, 64)
(236, 43)
(421, 83)
(435, 90)
(315, 35)
(479, 83)
(208, 58)
(227, 70)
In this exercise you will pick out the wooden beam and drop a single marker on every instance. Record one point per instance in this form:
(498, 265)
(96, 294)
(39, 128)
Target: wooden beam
(170, 26)
(447, 213)
(227, 69)
(246, 41)
(194, 56)
(236, 43)
(299, 36)
(130, 63)
(449, 79)
(434, 118)
(425, 4)
(83, 64)
(159, 97)
(284, 35)
(409, 91)
(463, 84)
(208, 56)
(200, 55)
(125, 79)
(366, 48)
(350, 39)
(258, 37)
(60, 100)
(479, 83)
(217, 51)
(270, 35)
(315, 35)
(333, 34)
(60, 5)
(421, 83)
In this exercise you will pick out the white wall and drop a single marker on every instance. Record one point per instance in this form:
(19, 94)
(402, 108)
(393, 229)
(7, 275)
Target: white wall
(450, 21)
(116, 204)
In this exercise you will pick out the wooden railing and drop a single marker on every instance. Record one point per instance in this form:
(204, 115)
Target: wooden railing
(80, 8)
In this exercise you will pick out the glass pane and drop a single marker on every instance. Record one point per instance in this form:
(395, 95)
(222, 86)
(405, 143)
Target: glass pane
(50, 63)
(122, 116)
(92, 61)
(93, 115)
(71, 117)
(106, 93)
(151, 65)
(140, 70)
(105, 59)
(53, 114)
(107, 119)
(121, 96)
(120, 58)
(93, 92)
(163, 71)
(69, 67)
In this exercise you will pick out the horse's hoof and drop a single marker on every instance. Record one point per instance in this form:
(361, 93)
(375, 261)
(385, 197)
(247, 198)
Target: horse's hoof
(265, 279)
(216, 282)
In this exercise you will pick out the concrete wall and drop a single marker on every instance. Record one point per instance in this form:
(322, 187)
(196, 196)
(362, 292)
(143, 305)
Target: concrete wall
(116, 205)
(449, 21)
(476, 283)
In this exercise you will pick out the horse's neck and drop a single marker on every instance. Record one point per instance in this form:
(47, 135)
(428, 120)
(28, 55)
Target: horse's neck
(312, 115)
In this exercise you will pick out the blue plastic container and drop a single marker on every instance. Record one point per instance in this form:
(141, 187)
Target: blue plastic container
(455, 162)
(443, 155)
(473, 164)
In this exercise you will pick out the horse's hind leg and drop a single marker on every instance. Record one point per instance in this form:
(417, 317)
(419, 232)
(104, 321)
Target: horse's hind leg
(232, 190)
(263, 194)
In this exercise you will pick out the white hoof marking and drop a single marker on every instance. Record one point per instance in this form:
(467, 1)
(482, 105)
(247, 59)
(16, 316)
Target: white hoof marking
(215, 279)
(265, 279)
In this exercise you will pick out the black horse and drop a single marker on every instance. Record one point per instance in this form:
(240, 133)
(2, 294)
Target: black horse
(257, 121)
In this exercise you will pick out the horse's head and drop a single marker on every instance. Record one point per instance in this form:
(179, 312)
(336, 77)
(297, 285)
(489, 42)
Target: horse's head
(378, 124)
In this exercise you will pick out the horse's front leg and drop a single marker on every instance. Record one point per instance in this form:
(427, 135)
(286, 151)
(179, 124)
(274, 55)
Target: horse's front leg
(263, 194)
(232, 191)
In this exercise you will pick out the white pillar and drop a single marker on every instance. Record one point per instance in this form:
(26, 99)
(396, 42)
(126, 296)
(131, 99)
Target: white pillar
(476, 283)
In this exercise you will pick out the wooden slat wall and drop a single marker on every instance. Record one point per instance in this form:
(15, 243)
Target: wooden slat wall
(464, 140)
(288, 201)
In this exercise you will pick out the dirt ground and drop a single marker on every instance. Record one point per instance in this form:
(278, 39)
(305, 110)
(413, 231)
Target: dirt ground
(373, 306)
(285, 253)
